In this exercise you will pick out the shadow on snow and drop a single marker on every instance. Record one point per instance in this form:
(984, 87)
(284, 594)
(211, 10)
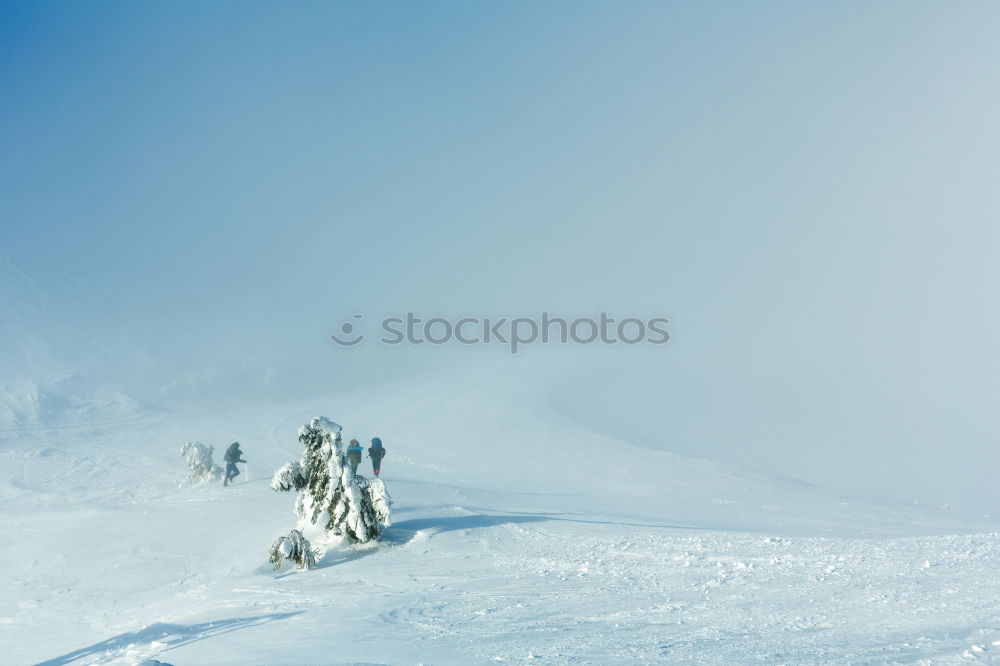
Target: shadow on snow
(440, 524)
(169, 635)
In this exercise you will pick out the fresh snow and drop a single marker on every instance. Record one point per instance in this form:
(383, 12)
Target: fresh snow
(516, 538)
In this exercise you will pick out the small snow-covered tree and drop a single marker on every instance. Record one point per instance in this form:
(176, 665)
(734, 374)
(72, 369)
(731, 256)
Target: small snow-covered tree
(293, 548)
(288, 477)
(199, 459)
(381, 501)
(331, 496)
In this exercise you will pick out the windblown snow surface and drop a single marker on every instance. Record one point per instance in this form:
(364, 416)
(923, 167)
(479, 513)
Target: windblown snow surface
(517, 537)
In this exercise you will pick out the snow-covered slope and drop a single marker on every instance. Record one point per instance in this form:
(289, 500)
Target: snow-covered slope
(517, 536)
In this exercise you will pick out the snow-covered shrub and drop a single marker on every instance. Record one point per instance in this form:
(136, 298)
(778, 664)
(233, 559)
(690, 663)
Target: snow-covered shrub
(331, 496)
(293, 548)
(288, 477)
(199, 459)
(381, 501)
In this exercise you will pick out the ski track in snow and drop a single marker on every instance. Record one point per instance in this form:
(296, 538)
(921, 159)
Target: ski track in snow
(489, 559)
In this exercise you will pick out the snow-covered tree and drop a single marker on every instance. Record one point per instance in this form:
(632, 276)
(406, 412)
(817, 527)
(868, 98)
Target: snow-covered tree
(199, 459)
(381, 501)
(293, 548)
(288, 477)
(331, 496)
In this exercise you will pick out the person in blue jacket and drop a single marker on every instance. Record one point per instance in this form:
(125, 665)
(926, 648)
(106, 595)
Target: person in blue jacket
(376, 452)
(233, 456)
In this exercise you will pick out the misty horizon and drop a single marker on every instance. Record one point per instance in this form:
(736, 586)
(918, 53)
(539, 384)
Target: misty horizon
(808, 198)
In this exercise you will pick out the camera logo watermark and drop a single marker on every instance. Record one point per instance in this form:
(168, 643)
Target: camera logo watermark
(349, 333)
(514, 332)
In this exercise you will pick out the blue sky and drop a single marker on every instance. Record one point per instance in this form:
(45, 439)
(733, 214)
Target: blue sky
(808, 190)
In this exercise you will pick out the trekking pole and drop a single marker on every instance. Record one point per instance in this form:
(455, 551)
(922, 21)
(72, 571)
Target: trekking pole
(246, 470)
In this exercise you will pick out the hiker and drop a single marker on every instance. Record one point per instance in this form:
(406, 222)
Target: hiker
(354, 455)
(376, 453)
(233, 456)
